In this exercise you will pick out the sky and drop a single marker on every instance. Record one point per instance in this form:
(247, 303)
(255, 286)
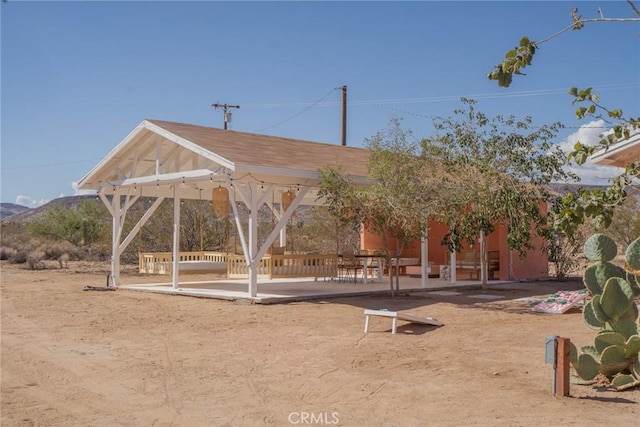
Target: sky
(78, 76)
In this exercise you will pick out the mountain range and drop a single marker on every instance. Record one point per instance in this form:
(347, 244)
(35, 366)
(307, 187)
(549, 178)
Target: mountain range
(10, 212)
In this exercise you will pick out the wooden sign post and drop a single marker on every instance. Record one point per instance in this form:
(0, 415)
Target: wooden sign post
(557, 353)
(563, 350)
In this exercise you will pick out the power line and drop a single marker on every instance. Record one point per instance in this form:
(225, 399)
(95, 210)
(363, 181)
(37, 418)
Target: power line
(297, 114)
(443, 98)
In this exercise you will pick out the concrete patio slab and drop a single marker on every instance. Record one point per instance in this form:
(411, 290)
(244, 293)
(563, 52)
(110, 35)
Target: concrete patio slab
(296, 289)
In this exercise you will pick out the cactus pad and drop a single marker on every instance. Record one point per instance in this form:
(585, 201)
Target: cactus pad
(590, 318)
(633, 254)
(613, 360)
(600, 247)
(596, 275)
(635, 367)
(634, 282)
(573, 354)
(606, 338)
(632, 346)
(587, 367)
(616, 298)
(624, 326)
(623, 382)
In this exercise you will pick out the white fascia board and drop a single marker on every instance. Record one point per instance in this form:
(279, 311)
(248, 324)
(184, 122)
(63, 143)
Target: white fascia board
(189, 145)
(90, 175)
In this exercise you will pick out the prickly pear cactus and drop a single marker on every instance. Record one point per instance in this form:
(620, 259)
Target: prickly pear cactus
(613, 312)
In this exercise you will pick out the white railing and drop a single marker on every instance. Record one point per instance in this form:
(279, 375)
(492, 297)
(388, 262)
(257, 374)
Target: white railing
(162, 262)
(271, 266)
(304, 265)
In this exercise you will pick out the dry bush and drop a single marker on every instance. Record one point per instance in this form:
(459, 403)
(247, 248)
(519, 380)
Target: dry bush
(55, 250)
(64, 260)
(6, 252)
(34, 259)
(19, 257)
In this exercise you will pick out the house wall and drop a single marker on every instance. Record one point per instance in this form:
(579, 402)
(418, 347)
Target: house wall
(533, 266)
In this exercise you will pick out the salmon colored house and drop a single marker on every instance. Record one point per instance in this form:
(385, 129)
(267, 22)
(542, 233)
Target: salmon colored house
(504, 264)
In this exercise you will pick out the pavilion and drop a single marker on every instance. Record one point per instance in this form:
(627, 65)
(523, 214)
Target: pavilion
(162, 159)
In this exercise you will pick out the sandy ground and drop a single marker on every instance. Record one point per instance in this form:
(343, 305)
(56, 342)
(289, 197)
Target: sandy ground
(126, 358)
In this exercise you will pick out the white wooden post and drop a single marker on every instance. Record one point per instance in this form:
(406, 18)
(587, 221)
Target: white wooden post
(176, 235)
(283, 230)
(115, 238)
(253, 242)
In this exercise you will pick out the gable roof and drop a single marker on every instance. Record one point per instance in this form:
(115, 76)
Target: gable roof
(246, 150)
(158, 153)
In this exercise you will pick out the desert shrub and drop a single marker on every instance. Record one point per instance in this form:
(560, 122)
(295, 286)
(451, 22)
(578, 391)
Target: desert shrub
(18, 257)
(64, 260)
(54, 250)
(6, 252)
(564, 254)
(95, 252)
(62, 252)
(34, 259)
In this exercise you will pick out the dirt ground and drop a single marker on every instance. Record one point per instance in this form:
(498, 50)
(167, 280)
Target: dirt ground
(125, 358)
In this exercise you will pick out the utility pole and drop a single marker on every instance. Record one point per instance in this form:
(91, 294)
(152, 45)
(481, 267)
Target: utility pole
(227, 113)
(344, 115)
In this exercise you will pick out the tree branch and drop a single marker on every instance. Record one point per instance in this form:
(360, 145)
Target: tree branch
(585, 21)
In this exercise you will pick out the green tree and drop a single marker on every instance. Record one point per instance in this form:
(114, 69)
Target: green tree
(506, 164)
(401, 196)
(82, 226)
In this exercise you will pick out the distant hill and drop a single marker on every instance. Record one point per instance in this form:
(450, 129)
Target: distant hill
(26, 215)
(8, 209)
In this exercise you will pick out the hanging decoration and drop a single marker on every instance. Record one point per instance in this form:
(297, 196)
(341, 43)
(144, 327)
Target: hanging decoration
(220, 201)
(287, 199)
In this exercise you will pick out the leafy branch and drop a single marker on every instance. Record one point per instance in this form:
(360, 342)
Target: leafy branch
(521, 56)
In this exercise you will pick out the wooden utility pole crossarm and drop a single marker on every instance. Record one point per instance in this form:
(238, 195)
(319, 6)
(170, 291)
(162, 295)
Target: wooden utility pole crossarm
(225, 109)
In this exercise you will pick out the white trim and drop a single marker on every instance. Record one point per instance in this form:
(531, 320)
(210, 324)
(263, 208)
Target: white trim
(111, 154)
(189, 145)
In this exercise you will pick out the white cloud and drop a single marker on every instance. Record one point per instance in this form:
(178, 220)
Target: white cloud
(30, 202)
(589, 173)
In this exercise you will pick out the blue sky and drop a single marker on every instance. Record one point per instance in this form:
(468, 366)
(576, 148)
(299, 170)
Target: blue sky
(77, 77)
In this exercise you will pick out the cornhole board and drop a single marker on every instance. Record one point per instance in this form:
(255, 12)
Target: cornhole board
(560, 302)
(394, 315)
